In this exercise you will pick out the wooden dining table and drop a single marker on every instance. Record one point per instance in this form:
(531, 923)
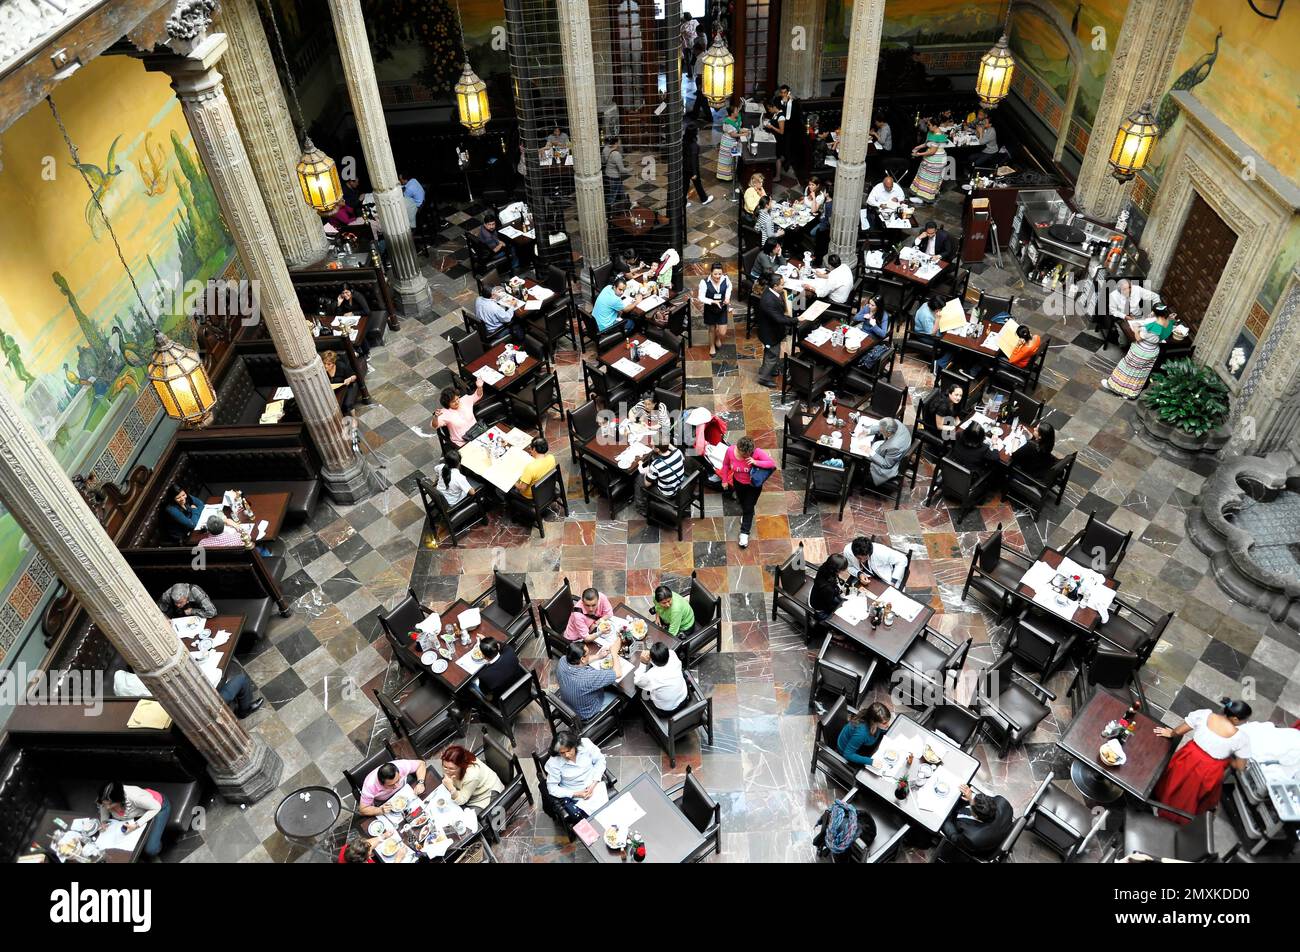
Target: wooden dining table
(669, 836)
(922, 806)
(1085, 618)
(47, 826)
(1147, 753)
(271, 506)
(489, 359)
(651, 367)
(839, 357)
(655, 633)
(891, 642)
(900, 270)
(975, 345)
(456, 677)
(234, 624)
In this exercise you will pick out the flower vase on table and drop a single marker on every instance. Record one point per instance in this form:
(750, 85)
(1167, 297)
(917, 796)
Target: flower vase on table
(904, 786)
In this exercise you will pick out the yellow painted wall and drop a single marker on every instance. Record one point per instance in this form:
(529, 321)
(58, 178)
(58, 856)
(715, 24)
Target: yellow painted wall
(75, 384)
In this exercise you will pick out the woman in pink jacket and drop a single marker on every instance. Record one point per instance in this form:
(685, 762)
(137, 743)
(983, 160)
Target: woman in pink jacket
(738, 468)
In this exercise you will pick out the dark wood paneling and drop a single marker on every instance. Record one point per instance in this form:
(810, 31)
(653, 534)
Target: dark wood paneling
(1199, 260)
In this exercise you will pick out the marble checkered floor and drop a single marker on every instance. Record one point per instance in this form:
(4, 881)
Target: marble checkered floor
(351, 563)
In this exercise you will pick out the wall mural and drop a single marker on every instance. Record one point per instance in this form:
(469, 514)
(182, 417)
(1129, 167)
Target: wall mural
(1037, 44)
(73, 336)
(917, 22)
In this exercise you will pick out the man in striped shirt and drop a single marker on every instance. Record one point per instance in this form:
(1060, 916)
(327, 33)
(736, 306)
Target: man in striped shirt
(662, 473)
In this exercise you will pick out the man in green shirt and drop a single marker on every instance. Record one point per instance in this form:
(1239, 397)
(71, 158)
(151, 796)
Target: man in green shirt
(674, 612)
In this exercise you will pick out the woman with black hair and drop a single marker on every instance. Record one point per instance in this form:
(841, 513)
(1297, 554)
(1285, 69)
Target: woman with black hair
(450, 482)
(135, 807)
(1193, 781)
(1035, 457)
(691, 162)
(828, 586)
(971, 452)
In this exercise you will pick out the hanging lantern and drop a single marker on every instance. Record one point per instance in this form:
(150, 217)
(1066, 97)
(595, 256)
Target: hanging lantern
(318, 177)
(997, 66)
(472, 102)
(719, 73)
(180, 382)
(1133, 142)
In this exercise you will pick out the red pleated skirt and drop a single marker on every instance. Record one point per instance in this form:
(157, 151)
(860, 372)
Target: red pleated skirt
(1193, 782)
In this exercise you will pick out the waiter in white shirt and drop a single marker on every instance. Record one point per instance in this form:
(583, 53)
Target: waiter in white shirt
(1126, 301)
(1131, 300)
(834, 285)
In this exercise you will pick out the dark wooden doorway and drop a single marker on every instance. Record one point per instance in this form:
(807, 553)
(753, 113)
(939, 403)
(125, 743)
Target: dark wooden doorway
(1199, 260)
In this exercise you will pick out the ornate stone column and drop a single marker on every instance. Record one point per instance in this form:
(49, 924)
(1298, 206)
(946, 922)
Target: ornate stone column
(411, 287)
(198, 86)
(859, 91)
(40, 496)
(803, 23)
(256, 99)
(602, 55)
(1144, 54)
(580, 95)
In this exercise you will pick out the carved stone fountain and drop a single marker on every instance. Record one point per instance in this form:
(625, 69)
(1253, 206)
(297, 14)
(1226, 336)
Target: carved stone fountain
(1247, 520)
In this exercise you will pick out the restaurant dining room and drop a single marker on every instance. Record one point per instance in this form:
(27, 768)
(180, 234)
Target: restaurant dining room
(507, 432)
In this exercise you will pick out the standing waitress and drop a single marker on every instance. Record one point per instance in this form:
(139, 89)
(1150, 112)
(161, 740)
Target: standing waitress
(1193, 781)
(715, 296)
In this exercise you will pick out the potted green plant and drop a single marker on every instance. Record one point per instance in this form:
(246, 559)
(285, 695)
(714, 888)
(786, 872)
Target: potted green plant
(1186, 404)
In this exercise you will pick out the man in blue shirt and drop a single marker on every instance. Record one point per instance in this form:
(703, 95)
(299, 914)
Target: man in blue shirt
(412, 189)
(610, 304)
(496, 316)
(582, 687)
(488, 237)
(926, 315)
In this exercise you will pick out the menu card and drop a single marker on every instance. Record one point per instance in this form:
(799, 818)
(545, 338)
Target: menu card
(1007, 339)
(950, 317)
(626, 367)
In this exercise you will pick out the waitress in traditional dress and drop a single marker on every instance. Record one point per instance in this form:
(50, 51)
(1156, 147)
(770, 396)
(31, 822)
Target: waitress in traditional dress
(730, 142)
(1131, 373)
(1193, 781)
(929, 174)
(715, 295)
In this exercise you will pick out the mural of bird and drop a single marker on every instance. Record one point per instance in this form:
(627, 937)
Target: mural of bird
(126, 379)
(152, 167)
(128, 350)
(101, 180)
(73, 381)
(1193, 76)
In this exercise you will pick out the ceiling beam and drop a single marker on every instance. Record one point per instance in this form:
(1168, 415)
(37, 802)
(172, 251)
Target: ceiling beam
(53, 52)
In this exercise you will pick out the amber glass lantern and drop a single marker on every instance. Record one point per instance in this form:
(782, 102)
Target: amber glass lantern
(472, 102)
(719, 73)
(318, 177)
(1133, 142)
(997, 67)
(181, 383)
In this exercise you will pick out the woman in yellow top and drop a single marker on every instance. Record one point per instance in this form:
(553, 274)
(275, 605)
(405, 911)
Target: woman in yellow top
(538, 467)
(754, 193)
(470, 782)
